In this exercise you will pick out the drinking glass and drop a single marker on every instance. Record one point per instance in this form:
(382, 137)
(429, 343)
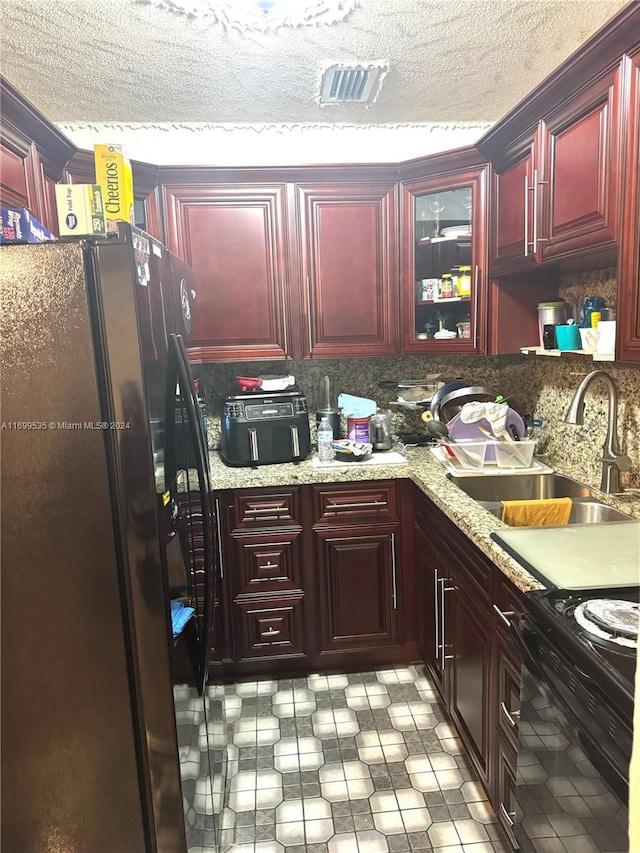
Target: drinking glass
(436, 208)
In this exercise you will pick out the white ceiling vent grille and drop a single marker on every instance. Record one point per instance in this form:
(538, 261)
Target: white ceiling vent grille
(344, 84)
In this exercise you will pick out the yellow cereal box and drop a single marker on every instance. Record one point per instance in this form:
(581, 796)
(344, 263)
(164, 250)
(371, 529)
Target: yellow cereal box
(113, 174)
(80, 210)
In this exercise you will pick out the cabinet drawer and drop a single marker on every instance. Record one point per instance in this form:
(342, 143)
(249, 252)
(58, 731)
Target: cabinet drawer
(370, 503)
(251, 510)
(270, 628)
(267, 564)
(508, 693)
(505, 789)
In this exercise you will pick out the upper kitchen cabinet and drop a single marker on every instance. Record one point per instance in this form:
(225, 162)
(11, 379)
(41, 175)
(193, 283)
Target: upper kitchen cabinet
(234, 238)
(557, 160)
(556, 195)
(33, 154)
(348, 269)
(444, 262)
(629, 264)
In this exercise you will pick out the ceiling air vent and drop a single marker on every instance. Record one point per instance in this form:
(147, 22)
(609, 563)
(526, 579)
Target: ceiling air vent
(343, 84)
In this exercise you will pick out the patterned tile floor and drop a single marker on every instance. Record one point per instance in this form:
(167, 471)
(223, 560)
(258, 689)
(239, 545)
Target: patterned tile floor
(362, 763)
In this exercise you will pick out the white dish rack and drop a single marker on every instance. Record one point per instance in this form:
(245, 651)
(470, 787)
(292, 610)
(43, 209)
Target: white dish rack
(454, 467)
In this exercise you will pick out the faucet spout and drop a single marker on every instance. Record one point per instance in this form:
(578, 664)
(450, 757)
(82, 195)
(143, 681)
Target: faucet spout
(613, 460)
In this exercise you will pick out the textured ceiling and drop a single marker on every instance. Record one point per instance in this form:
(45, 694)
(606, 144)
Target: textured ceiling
(129, 61)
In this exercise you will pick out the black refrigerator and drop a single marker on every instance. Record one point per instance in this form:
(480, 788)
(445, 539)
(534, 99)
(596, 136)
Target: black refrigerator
(107, 527)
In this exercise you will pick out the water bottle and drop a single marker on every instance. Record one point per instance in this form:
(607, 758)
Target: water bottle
(325, 441)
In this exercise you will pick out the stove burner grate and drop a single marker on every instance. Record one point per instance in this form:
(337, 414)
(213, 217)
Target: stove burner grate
(610, 619)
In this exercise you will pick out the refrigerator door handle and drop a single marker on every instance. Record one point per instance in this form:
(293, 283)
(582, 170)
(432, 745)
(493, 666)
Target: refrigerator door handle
(189, 398)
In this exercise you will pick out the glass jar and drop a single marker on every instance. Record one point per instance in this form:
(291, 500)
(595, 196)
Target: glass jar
(446, 286)
(464, 286)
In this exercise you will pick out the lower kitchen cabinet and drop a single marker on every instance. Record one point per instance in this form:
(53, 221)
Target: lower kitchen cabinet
(357, 589)
(455, 613)
(464, 605)
(467, 657)
(313, 577)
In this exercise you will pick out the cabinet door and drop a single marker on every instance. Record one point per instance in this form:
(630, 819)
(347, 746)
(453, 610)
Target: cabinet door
(357, 588)
(513, 213)
(444, 227)
(348, 261)
(467, 639)
(430, 594)
(580, 171)
(234, 240)
(629, 279)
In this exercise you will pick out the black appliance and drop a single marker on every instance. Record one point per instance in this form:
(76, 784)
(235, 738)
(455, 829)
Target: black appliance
(263, 428)
(575, 733)
(105, 716)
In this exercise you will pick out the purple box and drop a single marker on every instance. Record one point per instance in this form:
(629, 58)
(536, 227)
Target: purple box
(19, 226)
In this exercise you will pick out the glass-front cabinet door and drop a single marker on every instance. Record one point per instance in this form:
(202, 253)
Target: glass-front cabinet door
(444, 263)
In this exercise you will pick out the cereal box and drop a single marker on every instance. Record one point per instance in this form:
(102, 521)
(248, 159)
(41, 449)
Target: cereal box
(80, 210)
(19, 226)
(113, 174)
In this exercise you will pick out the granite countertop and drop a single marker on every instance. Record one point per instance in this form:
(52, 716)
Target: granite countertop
(426, 472)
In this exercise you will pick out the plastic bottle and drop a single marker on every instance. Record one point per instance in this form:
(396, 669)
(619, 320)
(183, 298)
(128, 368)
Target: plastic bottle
(325, 441)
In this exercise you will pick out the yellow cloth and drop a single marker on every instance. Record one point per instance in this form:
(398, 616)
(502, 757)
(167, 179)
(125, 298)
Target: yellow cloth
(548, 512)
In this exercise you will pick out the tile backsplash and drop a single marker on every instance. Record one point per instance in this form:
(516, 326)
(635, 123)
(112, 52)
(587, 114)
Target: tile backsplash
(541, 386)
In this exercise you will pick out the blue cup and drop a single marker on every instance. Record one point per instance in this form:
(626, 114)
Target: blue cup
(568, 337)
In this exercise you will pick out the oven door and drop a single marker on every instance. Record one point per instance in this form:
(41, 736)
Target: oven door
(572, 776)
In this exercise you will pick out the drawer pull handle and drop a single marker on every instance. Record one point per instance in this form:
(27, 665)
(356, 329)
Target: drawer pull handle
(510, 716)
(508, 817)
(368, 505)
(263, 509)
(270, 633)
(504, 616)
(268, 566)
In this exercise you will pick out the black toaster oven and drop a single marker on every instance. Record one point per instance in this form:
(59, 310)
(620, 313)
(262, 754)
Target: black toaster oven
(263, 428)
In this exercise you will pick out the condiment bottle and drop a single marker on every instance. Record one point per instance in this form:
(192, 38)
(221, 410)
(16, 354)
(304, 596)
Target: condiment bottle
(446, 286)
(464, 286)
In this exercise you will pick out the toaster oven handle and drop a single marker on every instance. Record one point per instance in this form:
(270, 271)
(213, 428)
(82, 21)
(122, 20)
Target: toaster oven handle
(295, 441)
(253, 444)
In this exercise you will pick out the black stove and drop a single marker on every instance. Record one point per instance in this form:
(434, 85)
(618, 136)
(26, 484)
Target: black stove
(598, 630)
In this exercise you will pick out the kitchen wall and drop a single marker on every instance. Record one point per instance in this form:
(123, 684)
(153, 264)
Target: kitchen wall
(542, 386)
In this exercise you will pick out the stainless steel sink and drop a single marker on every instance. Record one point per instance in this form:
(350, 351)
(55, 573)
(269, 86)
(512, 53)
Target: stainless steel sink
(489, 491)
(521, 487)
(583, 511)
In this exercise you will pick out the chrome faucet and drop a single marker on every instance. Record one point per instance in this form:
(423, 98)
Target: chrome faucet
(613, 460)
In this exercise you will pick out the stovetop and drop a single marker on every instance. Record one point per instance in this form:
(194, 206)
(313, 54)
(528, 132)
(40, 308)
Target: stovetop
(609, 664)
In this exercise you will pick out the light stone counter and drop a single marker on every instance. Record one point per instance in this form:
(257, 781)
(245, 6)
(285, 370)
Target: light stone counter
(422, 469)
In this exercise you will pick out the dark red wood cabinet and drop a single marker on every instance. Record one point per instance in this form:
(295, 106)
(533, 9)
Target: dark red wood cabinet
(358, 589)
(33, 154)
(425, 258)
(234, 238)
(457, 621)
(464, 603)
(315, 577)
(512, 210)
(287, 270)
(628, 322)
(347, 234)
(556, 190)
